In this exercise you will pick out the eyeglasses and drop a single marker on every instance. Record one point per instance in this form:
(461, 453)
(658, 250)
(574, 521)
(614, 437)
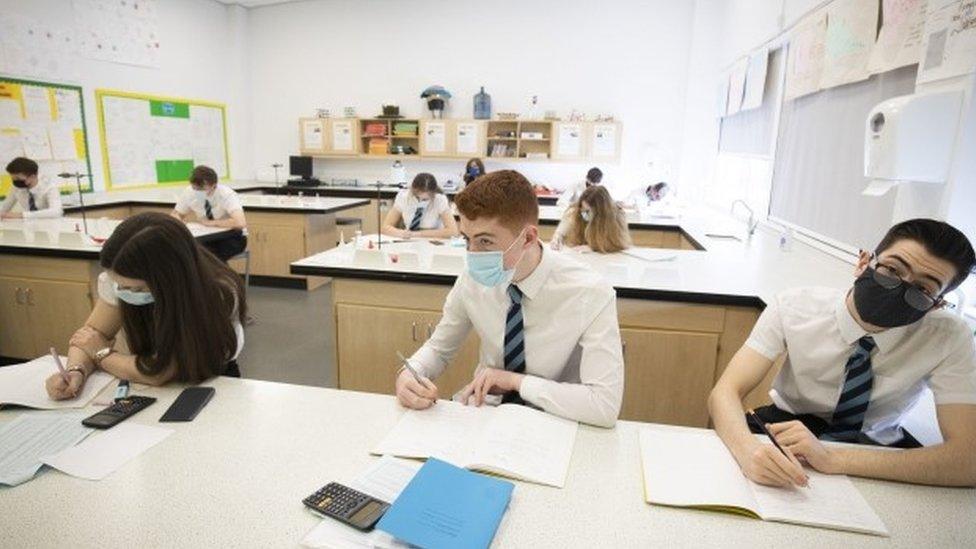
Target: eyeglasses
(918, 298)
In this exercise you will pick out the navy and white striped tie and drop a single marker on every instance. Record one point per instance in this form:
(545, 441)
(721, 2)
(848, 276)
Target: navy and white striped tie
(415, 222)
(848, 419)
(31, 204)
(208, 209)
(514, 340)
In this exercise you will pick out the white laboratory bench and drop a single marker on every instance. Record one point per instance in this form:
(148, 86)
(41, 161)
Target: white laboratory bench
(236, 475)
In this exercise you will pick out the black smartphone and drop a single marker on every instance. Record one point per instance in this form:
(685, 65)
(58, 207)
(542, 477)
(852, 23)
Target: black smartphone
(188, 404)
(437, 242)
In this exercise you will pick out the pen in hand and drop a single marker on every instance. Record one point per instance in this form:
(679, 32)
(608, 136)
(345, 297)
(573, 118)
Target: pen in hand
(60, 365)
(751, 414)
(416, 376)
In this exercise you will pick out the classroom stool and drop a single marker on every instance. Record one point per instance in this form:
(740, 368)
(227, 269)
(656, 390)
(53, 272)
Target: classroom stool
(246, 256)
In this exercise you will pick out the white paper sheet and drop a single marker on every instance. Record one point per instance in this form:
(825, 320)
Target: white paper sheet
(570, 140)
(23, 385)
(104, 453)
(435, 137)
(28, 438)
(851, 32)
(756, 80)
(804, 67)
(62, 139)
(467, 138)
(900, 41)
(737, 86)
(313, 135)
(604, 144)
(36, 143)
(722, 96)
(37, 105)
(950, 40)
(10, 114)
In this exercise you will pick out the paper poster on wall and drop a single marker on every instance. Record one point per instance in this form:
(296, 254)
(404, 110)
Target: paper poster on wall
(756, 80)
(737, 86)
(604, 140)
(32, 47)
(119, 31)
(342, 136)
(950, 40)
(805, 62)
(313, 137)
(467, 138)
(570, 140)
(722, 96)
(900, 40)
(851, 33)
(434, 137)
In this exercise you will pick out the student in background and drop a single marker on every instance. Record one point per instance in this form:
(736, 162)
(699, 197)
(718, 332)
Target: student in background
(423, 209)
(547, 324)
(474, 169)
(595, 221)
(37, 199)
(593, 177)
(215, 205)
(180, 308)
(857, 360)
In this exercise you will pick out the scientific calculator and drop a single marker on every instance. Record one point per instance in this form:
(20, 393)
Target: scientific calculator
(359, 510)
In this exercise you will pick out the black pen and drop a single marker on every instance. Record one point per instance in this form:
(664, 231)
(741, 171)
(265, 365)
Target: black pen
(755, 419)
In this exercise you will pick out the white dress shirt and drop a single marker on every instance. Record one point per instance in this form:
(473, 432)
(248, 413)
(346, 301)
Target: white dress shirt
(407, 203)
(47, 200)
(573, 360)
(816, 330)
(223, 202)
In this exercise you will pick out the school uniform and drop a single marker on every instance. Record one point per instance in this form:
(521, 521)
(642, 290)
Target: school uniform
(220, 205)
(419, 217)
(848, 385)
(558, 326)
(41, 202)
(106, 292)
(571, 194)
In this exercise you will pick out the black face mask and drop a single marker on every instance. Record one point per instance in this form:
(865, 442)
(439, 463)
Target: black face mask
(883, 307)
(20, 183)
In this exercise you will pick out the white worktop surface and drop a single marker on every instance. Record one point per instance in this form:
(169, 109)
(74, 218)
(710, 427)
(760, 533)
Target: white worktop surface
(67, 234)
(236, 475)
(755, 267)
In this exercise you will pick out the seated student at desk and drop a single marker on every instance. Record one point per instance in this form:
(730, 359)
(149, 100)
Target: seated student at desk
(181, 309)
(215, 205)
(424, 210)
(547, 324)
(37, 199)
(857, 360)
(593, 177)
(596, 222)
(474, 169)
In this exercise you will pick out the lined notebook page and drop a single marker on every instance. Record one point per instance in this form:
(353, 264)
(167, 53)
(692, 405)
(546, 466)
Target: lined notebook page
(528, 444)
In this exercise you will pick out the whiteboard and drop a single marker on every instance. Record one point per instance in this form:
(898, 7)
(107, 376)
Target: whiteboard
(153, 140)
(45, 122)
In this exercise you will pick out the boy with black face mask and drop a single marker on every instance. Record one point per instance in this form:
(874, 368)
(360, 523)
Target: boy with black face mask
(857, 360)
(37, 199)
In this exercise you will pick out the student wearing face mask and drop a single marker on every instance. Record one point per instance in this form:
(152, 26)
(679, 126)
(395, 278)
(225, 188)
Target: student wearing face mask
(214, 205)
(37, 199)
(595, 222)
(474, 169)
(547, 324)
(180, 308)
(594, 177)
(857, 360)
(422, 209)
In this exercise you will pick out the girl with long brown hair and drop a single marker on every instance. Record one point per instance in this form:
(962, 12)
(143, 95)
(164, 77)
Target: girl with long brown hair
(595, 220)
(181, 310)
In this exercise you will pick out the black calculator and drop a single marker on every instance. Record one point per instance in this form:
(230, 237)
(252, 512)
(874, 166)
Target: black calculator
(359, 510)
(114, 414)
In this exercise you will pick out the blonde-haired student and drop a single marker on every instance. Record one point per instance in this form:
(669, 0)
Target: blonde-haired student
(595, 221)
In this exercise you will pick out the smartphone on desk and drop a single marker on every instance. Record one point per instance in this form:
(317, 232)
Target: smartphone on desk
(188, 404)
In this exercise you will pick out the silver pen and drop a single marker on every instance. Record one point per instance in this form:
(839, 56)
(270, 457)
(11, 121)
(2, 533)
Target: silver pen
(406, 364)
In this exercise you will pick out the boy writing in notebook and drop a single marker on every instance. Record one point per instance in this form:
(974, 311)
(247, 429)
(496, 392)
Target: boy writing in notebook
(857, 360)
(37, 199)
(548, 325)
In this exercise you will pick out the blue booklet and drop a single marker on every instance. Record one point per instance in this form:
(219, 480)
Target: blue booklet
(445, 506)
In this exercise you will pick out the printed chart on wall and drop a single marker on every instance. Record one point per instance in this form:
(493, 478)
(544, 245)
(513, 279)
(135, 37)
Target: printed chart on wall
(43, 121)
(151, 140)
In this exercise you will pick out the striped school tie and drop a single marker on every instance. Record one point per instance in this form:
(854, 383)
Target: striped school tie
(31, 205)
(514, 341)
(848, 418)
(415, 222)
(208, 209)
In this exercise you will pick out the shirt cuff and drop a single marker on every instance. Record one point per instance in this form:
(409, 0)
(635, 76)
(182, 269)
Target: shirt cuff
(532, 388)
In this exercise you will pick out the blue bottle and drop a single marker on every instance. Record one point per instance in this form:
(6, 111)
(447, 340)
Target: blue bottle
(482, 105)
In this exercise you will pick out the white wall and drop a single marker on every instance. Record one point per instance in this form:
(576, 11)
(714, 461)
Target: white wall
(201, 57)
(628, 58)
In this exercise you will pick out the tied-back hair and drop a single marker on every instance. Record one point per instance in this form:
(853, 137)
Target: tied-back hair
(426, 182)
(607, 231)
(189, 324)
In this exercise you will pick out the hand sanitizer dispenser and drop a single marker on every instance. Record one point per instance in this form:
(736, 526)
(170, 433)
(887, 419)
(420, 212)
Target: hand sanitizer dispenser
(910, 138)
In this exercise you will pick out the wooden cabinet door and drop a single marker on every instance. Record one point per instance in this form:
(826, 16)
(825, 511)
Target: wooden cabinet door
(647, 238)
(15, 332)
(281, 245)
(461, 370)
(56, 309)
(668, 376)
(368, 339)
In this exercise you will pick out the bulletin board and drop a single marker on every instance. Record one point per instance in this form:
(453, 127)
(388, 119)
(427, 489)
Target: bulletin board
(43, 121)
(150, 140)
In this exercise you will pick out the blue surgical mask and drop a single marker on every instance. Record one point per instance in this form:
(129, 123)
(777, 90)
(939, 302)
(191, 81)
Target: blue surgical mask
(133, 297)
(488, 268)
(586, 215)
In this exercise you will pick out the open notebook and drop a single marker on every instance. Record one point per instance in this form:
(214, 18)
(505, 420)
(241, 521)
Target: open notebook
(23, 385)
(693, 468)
(509, 440)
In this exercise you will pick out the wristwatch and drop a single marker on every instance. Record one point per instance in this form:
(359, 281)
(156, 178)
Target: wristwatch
(101, 354)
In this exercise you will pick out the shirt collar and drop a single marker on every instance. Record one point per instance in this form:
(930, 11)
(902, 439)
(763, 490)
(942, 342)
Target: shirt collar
(531, 284)
(851, 331)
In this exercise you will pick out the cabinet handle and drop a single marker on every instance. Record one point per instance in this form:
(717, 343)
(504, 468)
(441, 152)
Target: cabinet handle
(17, 296)
(624, 345)
(30, 297)
(430, 330)
(413, 330)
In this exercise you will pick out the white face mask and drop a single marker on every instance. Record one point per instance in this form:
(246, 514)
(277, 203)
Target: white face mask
(586, 215)
(201, 195)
